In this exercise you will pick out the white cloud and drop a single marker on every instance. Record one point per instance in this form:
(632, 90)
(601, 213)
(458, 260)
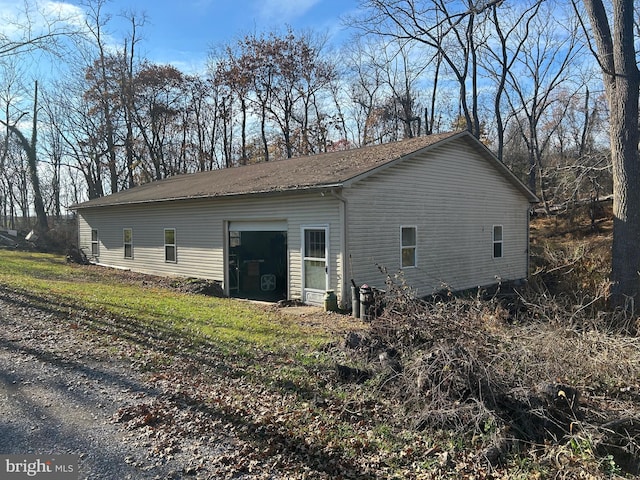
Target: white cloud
(285, 10)
(16, 17)
(63, 11)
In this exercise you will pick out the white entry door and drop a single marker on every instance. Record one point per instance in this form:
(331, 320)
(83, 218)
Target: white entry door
(315, 267)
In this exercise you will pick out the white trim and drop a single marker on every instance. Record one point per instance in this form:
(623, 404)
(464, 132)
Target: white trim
(225, 258)
(130, 243)
(257, 225)
(174, 245)
(494, 242)
(95, 242)
(414, 246)
(313, 295)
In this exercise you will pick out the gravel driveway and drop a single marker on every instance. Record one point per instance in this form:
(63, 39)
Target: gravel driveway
(63, 390)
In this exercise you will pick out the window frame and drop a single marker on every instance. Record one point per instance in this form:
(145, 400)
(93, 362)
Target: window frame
(95, 242)
(409, 247)
(498, 244)
(129, 243)
(170, 245)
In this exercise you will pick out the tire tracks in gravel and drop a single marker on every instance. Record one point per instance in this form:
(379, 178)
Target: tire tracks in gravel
(61, 387)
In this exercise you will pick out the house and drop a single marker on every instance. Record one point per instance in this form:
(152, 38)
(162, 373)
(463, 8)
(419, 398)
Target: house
(441, 208)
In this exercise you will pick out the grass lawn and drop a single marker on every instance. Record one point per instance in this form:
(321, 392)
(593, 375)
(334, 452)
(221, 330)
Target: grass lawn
(231, 324)
(262, 371)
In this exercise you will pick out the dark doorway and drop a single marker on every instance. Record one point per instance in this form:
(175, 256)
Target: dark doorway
(258, 265)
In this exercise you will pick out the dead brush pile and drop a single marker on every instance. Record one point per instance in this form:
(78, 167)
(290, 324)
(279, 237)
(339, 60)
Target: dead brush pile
(509, 380)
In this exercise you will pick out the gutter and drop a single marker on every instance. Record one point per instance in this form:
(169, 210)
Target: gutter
(286, 191)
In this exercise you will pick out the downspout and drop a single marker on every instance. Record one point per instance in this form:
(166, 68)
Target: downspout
(344, 297)
(226, 278)
(78, 236)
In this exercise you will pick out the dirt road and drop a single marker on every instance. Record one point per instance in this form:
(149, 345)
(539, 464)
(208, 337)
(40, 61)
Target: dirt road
(63, 391)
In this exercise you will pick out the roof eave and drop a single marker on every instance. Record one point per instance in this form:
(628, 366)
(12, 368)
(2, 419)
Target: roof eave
(284, 191)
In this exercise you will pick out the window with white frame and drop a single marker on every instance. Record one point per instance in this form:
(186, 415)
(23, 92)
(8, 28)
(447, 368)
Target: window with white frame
(127, 242)
(170, 245)
(408, 246)
(95, 244)
(497, 241)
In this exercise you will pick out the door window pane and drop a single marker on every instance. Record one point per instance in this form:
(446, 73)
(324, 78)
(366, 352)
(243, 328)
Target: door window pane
(315, 265)
(314, 244)
(315, 274)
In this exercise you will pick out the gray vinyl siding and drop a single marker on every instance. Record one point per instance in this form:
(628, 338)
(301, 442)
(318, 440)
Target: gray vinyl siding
(454, 198)
(201, 230)
(453, 194)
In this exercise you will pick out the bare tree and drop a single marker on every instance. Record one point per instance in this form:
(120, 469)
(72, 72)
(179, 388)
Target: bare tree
(71, 118)
(454, 35)
(102, 89)
(579, 168)
(615, 51)
(401, 66)
(237, 70)
(30, 148)
(33, 31)
(201, 122)
(128, 94)
(54, 149)
(159, 89)
(14, 183)
(499, 61)
(365, 80)
(543, 66)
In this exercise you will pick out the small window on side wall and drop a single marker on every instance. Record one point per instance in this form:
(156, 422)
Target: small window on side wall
(170, 245)
(95, 244)
(127, 241)
(497, 241)
(408, 246)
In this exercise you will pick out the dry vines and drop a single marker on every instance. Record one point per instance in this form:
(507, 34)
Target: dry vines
(507, 376)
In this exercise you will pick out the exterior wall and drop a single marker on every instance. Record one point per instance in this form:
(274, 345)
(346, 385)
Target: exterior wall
(201, 228)
(454, 198)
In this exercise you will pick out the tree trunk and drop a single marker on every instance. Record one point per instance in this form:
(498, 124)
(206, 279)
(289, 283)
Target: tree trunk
(32, 161)
(616, 56)
(32, 158)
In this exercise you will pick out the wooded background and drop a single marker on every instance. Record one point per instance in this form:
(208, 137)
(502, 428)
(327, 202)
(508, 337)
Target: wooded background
(519, 75)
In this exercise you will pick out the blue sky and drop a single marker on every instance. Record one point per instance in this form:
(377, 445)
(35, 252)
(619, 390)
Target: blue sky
(183, 32)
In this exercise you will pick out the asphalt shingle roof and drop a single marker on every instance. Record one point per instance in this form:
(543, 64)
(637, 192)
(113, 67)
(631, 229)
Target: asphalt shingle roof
(316, 171)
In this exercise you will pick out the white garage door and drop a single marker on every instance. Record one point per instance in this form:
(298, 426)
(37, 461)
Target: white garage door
(258, 226)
